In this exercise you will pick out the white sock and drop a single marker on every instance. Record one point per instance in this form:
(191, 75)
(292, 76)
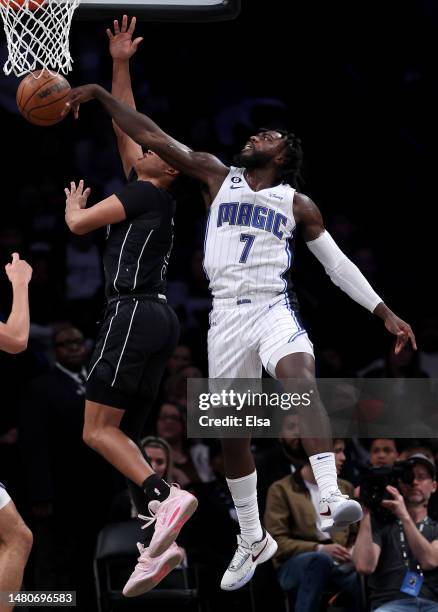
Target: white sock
(244, 493)
(324, 470)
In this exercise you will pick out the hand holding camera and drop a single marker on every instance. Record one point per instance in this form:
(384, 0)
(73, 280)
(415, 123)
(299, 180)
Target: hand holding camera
(396, 505)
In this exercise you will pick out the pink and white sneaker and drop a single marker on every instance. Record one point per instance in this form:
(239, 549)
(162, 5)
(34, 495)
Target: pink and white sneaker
(150, 571)
(169, 516)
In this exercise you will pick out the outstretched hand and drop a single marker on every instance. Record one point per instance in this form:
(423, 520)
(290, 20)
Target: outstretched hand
(121, 45)
(76, 97)
(18, 271)
(76, 197)
(402, 330)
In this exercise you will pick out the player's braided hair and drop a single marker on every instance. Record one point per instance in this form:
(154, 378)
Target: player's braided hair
(291, 171)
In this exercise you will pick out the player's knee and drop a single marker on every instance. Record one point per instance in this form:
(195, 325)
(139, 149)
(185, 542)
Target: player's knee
(91, 437)
(19, 539)
(26, 541)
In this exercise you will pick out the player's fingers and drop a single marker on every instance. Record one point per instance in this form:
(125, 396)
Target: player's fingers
(137, 41)
(80, 187)
(124, 24)
(413, 340)
(72, 187)
(109, 33)
(401, 341)
(67, 192)
(132, 25)
(76, 111)
(15, 257)
(87, 192)
(116, 27)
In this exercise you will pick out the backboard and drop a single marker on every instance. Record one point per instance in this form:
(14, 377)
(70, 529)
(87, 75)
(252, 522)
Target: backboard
(161, 10)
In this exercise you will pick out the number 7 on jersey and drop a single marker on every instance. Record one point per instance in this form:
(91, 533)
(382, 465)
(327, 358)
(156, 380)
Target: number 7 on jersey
(248, 239)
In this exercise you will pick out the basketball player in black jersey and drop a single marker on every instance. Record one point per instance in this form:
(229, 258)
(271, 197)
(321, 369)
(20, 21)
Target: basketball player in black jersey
(138, 334)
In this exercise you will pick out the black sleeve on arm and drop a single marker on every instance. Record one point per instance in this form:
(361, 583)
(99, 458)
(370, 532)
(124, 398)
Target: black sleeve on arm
(138, 198)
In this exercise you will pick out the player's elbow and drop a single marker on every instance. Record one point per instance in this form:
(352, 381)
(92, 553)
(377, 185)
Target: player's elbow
(16, 345)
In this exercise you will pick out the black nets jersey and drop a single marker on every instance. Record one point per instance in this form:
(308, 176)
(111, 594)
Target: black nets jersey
(137, 250)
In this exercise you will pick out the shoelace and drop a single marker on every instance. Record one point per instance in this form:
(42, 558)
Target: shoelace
(241, 555)
(154, 508)
(334, 494)
(143, 563)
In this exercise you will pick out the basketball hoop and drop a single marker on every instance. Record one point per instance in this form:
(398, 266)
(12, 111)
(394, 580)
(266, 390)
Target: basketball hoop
(37, 33)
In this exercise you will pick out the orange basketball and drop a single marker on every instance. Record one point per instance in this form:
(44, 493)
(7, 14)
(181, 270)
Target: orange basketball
(41, 100)
(17, 4)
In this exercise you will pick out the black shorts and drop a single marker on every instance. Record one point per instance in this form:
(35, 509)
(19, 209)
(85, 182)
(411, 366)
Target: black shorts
(137, 337)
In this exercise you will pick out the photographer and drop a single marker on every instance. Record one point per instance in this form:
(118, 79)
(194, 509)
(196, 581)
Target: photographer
(401, 555)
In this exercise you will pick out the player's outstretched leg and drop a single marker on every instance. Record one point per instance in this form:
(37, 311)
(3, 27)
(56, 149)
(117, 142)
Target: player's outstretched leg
(317, 440)
(169, 506)
(254, 544)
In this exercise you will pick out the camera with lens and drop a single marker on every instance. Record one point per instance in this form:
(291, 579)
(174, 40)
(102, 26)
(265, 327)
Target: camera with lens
(373, 488)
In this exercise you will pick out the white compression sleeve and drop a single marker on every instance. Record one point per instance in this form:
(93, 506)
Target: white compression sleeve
(343, 272)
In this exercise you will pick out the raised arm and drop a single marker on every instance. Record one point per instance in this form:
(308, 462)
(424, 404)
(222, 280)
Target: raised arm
(14, 334)
(343, 272)
(122, 48)
(81, 220)
(202, 166)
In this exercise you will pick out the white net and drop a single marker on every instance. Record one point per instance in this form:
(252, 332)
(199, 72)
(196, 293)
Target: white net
(37, 33)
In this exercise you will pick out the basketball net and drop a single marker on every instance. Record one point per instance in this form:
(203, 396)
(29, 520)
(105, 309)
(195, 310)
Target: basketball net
(37, 37)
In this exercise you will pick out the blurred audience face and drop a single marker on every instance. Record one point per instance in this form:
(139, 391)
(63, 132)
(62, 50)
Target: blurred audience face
(290, 437)
(339, 450)
(419, 492)
(70, 350)
(383, 452)
(413, 450)
(181, 358)
(157, 459)
(290, 431)
(170, 424)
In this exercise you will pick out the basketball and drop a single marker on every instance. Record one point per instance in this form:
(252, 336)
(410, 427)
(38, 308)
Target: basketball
(17, 4)
(41, 100)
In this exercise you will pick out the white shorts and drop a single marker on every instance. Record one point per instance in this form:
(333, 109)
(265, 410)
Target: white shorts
(4, 496)
(246, 333)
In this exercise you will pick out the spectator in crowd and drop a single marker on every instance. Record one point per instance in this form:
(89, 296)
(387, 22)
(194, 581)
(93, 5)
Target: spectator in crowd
(191, 461)
(414, 449)
(180, 358)
(310, 559)
(282, 459)
(401, 557)
(61, 472)
(383, 452)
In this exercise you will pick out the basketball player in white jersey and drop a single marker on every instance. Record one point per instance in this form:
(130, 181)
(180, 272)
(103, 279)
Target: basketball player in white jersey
(15, 536)
(254, 211)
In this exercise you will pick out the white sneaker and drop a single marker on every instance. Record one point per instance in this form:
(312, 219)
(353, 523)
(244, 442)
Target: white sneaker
(245, 560)
(340, 508)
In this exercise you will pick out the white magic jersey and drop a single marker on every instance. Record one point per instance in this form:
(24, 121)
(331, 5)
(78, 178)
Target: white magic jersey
(247, 248)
